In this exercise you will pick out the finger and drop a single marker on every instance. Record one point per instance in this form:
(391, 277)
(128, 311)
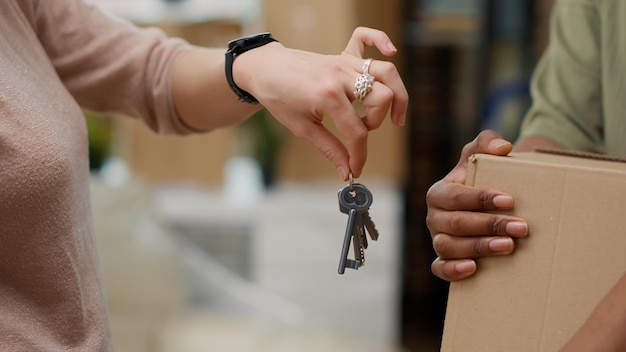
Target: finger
(378, 102)
(327, 144)
(453, 247)
(467, 223)
(354, 130)
(358, 155)
(387, 74)
(356, 143)
(488, 142)
(363, 37)
(456, 196)
(453, 270)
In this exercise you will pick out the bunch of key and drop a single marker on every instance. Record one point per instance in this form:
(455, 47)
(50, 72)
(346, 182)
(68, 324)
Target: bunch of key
(355, 200)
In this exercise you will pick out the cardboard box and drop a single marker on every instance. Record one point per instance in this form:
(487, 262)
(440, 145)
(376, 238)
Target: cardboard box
(538, 297)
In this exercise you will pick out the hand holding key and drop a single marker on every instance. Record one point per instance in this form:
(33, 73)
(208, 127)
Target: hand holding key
(355, 200)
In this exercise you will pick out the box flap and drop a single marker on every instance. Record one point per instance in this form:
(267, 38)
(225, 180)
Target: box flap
(580, 154)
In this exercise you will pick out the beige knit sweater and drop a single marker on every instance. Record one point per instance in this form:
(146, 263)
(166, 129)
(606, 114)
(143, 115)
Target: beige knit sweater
(57, 56)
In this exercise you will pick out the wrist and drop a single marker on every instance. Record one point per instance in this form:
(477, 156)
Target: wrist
(249, 67)
(236, 48)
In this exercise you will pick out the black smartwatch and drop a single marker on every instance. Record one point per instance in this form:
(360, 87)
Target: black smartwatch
(239, 46)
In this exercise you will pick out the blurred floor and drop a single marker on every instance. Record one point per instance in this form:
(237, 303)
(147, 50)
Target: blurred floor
(186, 269)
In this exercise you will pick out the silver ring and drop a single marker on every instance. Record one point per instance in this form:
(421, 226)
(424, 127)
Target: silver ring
(364, 82)
(366, 65)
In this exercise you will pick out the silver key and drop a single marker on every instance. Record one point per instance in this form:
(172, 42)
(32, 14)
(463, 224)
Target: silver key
(354, 199)
(369, 225)
(359, 240)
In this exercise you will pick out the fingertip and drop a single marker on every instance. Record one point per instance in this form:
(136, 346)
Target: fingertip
(392, 48)
(465, 267)
(500, 146)
(517, 228)
(503, 201)
(358, 156)
(356, 167)
(399, 120)
(453, 270)
(502, 245)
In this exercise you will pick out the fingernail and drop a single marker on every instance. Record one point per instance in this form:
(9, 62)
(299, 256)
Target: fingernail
(398, 120)
(402, 120)
(503, 201)
(391, 46)
(519, 228)
(342, 172)
(499, 143)
(501, 245)
(464, 267)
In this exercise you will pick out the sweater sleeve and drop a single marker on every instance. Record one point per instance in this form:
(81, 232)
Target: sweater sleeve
(109, 65)
(566, 85)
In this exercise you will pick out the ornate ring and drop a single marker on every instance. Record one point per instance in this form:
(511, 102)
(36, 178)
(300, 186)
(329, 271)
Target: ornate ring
(364, 82)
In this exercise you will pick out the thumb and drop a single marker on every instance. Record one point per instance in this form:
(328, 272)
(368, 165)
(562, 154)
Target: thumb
(487, 142)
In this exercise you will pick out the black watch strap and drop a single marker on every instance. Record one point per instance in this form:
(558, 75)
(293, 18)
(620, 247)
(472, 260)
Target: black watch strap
(239, 46)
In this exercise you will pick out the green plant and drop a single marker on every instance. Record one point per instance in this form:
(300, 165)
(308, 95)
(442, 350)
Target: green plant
(99, 133)
(266, 135)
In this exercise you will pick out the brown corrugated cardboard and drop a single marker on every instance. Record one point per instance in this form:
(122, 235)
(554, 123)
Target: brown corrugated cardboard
(536, 298)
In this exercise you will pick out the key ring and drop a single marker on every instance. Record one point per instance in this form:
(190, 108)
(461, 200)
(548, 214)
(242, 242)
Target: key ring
(351, 183)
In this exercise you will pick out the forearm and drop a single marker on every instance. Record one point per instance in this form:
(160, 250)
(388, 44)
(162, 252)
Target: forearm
(604, 329)
(202, 97)
(299, 89)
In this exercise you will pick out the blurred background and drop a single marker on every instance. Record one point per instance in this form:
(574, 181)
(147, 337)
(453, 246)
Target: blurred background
(230, 241)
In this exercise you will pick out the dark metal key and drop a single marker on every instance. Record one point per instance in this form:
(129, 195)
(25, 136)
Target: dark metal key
(354, 199)
(344, 261)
